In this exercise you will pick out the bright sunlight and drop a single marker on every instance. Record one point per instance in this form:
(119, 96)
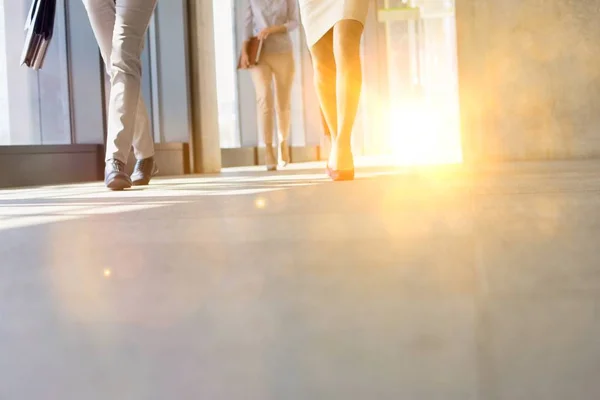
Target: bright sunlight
(423, 122)
(425, 133)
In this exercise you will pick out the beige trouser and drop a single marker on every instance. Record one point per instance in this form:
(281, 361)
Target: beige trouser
(120, 27)
(278, 67)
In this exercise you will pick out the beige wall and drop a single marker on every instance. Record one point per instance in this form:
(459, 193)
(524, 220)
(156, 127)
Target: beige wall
(529, 78)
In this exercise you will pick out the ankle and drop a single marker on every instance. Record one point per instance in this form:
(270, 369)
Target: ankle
(343, 147)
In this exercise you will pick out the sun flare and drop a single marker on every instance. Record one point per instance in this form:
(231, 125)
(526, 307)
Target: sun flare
(424, 133)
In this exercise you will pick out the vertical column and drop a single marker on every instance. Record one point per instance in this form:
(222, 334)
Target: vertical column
(205, 126)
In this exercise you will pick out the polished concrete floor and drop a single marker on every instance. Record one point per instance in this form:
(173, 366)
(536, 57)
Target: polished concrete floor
(432, 283)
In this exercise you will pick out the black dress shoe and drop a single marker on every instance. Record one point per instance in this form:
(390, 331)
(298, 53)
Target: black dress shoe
(115, 177)
(144, 171)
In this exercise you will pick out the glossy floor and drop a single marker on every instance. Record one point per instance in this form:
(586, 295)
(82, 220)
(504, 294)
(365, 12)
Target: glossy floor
(404, 284)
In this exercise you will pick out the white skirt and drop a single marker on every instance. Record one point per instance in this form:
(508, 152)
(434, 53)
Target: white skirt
(319, 16)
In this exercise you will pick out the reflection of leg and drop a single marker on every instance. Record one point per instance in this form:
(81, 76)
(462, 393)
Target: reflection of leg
(347, 36)
(262, 76)
(283, 71)
(325, 80)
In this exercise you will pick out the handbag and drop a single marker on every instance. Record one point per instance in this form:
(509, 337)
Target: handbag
(40, 28)
(254, 49)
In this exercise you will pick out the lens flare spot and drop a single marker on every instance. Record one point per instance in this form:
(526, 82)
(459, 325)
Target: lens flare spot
(260, 203)
(425, 133)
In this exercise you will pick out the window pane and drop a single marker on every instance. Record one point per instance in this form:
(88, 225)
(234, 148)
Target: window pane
(226, 73)
(19, 88)
(34, 105)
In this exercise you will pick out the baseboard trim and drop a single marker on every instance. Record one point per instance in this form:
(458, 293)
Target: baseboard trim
(252, 156)
(39, 165)
(239, 157)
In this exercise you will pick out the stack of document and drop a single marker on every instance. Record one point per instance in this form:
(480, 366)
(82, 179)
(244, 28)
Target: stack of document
(39, 27)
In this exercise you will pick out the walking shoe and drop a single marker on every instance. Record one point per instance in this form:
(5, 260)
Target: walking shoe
(144, 171)
(115, 177)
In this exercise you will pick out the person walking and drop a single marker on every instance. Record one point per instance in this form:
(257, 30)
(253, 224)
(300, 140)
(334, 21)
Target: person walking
(271, 21)
(334, 30)
(120, 27)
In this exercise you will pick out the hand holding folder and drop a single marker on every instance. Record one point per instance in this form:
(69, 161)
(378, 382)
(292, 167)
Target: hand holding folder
(254, 49)
(39, 27)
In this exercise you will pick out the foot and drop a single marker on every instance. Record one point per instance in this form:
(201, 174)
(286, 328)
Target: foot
(115, 177)
(144, 171)
(340, 166)
(284, 153)
(270, 159)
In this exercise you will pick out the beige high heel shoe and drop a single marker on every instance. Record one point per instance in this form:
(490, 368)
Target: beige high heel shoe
(270, 159)
(284, 153)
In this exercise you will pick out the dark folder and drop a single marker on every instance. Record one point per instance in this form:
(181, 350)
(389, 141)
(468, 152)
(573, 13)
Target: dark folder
(39, 27)
(254, 50)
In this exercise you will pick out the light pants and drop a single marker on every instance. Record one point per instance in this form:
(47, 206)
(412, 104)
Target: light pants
(280, 68)
(120, 27)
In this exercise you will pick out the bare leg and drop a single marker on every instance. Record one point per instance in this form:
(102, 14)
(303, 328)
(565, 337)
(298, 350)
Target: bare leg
(325, 80)
(326, 131)
(346, 46)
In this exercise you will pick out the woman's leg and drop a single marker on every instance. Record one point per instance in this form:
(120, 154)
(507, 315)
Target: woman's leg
(283, 71)
(325, 125)
(325, 80)
(346, 46)
(262, 76)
